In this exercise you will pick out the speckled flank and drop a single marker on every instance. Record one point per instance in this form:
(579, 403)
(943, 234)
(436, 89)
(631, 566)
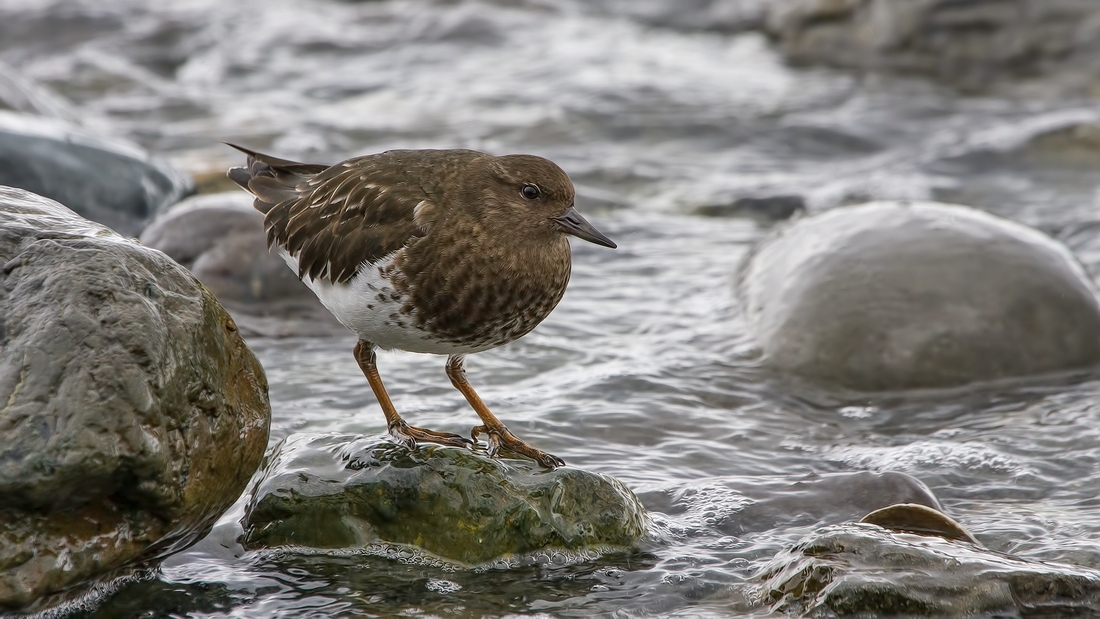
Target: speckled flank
(486, 300)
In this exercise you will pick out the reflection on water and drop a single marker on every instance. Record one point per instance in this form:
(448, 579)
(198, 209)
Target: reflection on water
(644, 372)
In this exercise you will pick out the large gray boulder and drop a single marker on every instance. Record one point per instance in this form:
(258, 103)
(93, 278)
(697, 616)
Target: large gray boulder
(330, 491)
(972, 45)
(862, 570)
(899, 295)
(109, 181)
(133, 413)
(221, 239)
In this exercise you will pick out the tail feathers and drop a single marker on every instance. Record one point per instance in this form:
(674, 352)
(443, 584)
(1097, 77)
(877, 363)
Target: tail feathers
(239, 176)
(270, 179)
(270, 190)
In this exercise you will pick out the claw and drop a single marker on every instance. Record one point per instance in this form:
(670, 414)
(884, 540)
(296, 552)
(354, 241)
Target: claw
(503, 437)
(399, 436)
(493, 448)
(550, 461)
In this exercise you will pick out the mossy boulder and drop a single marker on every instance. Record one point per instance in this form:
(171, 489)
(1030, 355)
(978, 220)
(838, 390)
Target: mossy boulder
(133, 413)
(330, 491)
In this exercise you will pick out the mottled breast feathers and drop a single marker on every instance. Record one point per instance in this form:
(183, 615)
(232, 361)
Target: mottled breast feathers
(335, 219)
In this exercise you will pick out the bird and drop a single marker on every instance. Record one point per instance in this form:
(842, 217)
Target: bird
(447, 252)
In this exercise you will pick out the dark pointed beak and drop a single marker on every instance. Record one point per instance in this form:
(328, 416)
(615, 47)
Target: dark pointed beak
(572, 223)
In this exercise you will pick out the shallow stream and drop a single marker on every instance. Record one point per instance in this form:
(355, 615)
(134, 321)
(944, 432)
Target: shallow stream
(644, 372)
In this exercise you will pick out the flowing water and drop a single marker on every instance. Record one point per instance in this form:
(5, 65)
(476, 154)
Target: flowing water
(644, 372)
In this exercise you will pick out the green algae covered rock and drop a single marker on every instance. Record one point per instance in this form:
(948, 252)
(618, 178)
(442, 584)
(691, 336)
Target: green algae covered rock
(330, 491)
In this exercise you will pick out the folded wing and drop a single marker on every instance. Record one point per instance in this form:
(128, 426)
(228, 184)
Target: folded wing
(334, 219)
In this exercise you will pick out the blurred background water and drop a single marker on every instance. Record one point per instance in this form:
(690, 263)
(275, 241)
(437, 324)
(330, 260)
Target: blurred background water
(661, 112)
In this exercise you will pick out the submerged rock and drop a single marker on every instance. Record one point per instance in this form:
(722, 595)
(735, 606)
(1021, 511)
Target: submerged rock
(863, 570)
(971, 45)
(134, 413)
(108, 181)
(221, 239)
(329, 491)
(769, 208)
(900, 295)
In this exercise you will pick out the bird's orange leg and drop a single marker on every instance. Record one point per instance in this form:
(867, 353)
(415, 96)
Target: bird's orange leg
(400, 431)
(499, 434)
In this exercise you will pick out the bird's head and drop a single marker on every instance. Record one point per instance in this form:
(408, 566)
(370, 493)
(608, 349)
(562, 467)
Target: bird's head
(531, 194)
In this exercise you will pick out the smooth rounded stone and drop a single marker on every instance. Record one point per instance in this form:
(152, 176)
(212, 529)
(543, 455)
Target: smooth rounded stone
(971, 45)
(902, 295)
(919, 519)
(863, 570)
(221, 239)
(111, 182)
(331, 491)
(134, 413)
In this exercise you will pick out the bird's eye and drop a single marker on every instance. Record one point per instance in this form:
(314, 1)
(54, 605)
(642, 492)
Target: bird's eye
(531, 192)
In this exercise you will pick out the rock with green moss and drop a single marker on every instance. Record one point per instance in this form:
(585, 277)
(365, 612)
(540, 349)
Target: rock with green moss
(330, 491)
(132, 414)
(862, 570)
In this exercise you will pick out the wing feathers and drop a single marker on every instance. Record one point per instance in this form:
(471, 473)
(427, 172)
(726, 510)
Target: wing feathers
(335, 219)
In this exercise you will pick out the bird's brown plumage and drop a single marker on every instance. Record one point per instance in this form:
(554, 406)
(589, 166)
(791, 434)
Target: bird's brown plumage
(432, 251)
(473, 261)
(334, 219)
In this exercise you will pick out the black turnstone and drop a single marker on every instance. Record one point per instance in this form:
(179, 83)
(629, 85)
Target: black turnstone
(448, 252)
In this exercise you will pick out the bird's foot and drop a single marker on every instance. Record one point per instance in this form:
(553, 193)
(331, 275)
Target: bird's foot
(404, 434)
(500, 436)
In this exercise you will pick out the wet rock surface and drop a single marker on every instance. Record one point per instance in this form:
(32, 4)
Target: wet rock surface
(221, 239)
(134, 413)
(863, 570)
(919, 519)
(971, 45)
(331, 491)
(108, 181)
(900, 295)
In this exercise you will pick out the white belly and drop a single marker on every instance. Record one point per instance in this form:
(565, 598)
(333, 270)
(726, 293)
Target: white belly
(367, 306)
